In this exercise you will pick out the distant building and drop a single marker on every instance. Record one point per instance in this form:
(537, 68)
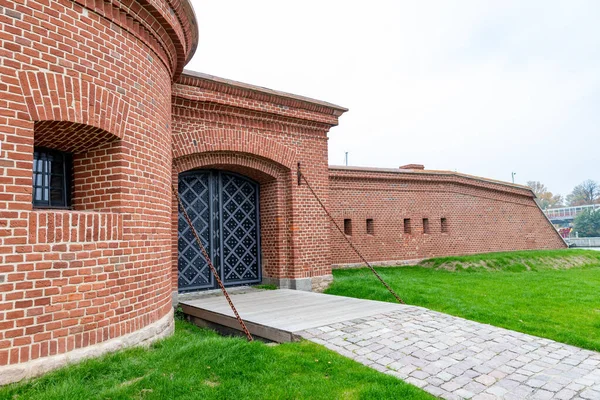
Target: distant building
(564, 216)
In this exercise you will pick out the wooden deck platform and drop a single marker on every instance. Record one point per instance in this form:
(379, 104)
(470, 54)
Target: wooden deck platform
(277, 315)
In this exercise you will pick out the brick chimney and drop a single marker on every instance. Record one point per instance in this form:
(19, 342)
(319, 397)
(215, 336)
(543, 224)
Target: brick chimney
(413, 166)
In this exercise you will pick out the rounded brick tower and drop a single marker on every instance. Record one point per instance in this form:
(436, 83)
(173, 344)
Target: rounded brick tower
(85, 173)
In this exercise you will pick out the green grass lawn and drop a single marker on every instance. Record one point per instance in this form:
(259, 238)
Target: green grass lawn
(553, 294)
(198, 364)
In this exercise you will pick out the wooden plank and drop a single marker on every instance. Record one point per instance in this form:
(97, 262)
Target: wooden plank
(285, 310)
(262, 331)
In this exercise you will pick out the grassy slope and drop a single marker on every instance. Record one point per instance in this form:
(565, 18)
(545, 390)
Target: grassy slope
(523, 291)
(198, 364)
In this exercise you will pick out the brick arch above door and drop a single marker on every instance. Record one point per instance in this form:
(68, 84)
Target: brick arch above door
(257, 168)
(232, 141)
(275, 201)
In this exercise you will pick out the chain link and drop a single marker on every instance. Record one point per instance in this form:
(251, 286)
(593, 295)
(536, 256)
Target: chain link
(301, 175)
(211, 266)
(216, 274)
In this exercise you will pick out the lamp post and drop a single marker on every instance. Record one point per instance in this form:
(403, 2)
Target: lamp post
(513, 176)
(346, 159)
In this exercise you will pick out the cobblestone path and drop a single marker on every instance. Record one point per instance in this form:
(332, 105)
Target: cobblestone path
(454, 358)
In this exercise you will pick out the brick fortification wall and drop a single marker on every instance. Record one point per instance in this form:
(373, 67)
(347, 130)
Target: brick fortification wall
(264, 135)
(407, 208)
(92, 78)
(103, 81)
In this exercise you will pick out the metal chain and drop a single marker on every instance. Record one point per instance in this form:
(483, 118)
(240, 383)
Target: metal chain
(211, 266)
(301, 175)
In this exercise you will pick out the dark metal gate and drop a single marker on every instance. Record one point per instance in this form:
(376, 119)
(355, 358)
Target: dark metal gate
(223, 207)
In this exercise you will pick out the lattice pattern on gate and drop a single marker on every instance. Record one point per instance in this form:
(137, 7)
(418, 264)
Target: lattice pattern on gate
(240, 229)
(194, 274)
(224, 210)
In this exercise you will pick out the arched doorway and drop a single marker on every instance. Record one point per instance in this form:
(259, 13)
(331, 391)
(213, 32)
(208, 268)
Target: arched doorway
(224, 209)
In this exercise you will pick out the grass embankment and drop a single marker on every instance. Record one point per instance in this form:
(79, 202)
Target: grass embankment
(199, 364)
(553, 294)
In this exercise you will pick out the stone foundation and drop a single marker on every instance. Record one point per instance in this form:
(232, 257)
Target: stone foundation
(289, 283)
(321, 283)
(387, 263)
(314, 284)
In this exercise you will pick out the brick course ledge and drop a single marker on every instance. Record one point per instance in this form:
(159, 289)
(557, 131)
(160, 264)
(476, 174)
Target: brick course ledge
(143, 337)
(229, 86)
(431, 175)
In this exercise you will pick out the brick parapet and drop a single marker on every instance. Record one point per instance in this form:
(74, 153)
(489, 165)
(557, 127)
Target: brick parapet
(206, 110)
(432, 176)
(480, 215)
(206, 88)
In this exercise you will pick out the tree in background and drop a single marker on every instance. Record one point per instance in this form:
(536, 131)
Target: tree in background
(585, 193)
(587, 223)
(544, 197)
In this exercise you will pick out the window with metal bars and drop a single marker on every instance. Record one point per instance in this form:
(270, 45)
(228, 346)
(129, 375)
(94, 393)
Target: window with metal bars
(52, 178)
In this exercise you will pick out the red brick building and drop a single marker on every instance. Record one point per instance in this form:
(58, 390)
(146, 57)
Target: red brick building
(98, 120)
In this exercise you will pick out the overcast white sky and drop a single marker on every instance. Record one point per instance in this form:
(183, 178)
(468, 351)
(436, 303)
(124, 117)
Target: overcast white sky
(481, 87)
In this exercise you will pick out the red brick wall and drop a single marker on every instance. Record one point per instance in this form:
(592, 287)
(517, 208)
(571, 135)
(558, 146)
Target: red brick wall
(73, 278)
(482, 215)
(98, 82)
(264, 135)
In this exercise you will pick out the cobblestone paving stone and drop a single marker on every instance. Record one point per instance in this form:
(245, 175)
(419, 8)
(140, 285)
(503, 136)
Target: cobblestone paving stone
(454, 358)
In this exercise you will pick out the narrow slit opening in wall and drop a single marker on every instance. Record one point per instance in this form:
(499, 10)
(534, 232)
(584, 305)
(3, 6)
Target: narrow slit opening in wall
(444, 225)
(407, 228)
(348, 227)
(370, 227)
(426, 225)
